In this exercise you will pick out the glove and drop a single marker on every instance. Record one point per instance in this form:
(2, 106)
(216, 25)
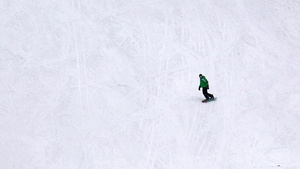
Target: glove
(199, 88)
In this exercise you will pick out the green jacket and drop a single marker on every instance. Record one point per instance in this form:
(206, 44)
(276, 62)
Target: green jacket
(203, 82)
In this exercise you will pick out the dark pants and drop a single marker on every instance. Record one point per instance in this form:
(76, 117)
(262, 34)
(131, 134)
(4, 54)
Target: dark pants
(206, 95)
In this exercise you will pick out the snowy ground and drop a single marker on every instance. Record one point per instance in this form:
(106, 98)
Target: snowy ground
(113, 84)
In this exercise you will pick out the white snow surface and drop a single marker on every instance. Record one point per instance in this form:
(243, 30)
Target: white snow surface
(113, 84)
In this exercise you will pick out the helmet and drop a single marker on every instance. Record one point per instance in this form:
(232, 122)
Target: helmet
(200, 75)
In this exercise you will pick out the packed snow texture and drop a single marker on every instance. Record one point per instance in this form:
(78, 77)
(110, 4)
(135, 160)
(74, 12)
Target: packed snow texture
(113, 84)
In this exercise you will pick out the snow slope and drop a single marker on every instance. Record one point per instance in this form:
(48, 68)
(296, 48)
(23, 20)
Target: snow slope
(113, 84)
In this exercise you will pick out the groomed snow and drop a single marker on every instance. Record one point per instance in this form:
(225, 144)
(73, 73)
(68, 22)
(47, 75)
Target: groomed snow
(112, 84)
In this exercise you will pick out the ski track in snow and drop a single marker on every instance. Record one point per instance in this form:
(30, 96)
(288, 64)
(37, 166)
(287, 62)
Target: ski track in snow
(113, 84)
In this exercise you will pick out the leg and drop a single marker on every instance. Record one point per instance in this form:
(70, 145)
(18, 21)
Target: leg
(206, 95)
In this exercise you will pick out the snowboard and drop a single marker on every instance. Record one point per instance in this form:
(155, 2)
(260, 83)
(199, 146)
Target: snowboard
(206, 101)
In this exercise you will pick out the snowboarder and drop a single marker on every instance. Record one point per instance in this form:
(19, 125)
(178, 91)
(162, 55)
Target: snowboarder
(205, 86)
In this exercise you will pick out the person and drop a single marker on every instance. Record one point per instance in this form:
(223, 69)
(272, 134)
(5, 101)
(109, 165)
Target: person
(204, 84)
